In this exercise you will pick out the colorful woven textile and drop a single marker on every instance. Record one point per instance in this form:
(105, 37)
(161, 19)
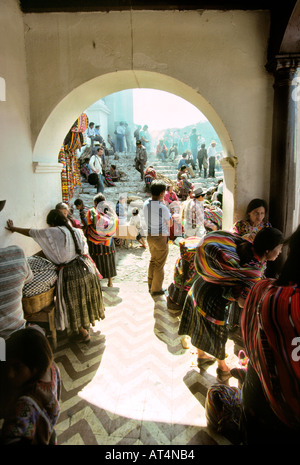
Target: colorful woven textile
(150, 172)
(271, 330)
(204, 317)
(70, 175)
(243, 228)
(73, 142)
(185, 272)
(81, 123)
(214, 215)
(108, 180)
(101, 227)
(217, 262)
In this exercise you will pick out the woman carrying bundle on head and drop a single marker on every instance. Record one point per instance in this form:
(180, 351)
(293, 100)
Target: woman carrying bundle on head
(79, 293)
(228, 267)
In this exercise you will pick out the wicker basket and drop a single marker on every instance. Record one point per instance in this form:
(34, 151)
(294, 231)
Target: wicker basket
(38, 303)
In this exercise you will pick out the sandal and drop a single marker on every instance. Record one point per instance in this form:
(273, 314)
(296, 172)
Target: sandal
(82, 338)
(222, 375)
(204, 361)
(186, 342)
(85, 338)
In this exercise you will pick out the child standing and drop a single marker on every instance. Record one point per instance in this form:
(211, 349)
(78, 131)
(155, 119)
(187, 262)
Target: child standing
(135, 220)
(32, 389)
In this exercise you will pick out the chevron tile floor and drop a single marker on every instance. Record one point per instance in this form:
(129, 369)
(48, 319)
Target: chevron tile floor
(134, 384)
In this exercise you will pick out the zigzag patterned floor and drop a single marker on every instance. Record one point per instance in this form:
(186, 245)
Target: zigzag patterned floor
(134, 384)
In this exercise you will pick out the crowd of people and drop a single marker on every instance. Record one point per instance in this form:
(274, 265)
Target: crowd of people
(217, 271)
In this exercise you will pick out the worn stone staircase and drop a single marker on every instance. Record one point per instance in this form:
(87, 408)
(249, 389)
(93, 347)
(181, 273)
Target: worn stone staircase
(131, 183)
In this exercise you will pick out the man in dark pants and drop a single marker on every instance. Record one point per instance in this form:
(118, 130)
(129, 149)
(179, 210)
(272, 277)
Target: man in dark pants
(140, 158)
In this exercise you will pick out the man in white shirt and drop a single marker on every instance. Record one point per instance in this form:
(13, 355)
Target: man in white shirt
(158, 220)
(120, 136)
(96, 166)
(93, 134)
(211, 155)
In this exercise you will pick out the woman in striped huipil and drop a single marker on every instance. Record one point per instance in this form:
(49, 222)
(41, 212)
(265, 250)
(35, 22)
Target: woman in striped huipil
(228, 267)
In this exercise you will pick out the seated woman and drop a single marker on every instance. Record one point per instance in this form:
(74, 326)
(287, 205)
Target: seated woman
(247, 228)
(228, 267)
(149, 176)
(114, 173)
(65, 246)
(271, 332)
(255, 220)
(170, 195)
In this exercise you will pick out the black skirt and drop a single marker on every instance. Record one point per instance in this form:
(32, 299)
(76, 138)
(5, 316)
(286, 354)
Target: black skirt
(104, 258)
(204, 318)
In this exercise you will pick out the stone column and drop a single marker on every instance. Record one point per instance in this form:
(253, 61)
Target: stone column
(283, 157)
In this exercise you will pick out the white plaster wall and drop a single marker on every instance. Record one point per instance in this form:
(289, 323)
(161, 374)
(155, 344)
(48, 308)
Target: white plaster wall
(27, 195)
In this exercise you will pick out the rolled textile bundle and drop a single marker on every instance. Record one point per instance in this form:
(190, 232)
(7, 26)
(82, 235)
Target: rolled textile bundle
(218, 262)
(101, 226)
(214, 215)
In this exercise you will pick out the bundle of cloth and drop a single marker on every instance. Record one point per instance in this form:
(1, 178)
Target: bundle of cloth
(213, 214)
(184, 272)
(218, 262)
(270, 327)
(101, 226)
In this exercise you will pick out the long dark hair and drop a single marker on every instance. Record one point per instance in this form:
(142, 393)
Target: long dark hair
(57, 218)
(30, 347)
(256, 203)
(290, 273)
(265, 240)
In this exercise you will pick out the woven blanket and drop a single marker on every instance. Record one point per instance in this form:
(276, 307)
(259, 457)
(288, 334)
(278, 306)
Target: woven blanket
(214, 215)
(101, 227)
(271, 332)
(44, 276)
(185, 271)
(217, 261)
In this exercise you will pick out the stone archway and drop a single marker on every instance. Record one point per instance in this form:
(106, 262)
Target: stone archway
(49, 140)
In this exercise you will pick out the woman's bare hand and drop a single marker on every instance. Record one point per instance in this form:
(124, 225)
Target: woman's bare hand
(10, 225)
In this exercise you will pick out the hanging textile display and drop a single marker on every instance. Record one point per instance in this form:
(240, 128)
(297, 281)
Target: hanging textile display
(74, 140)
